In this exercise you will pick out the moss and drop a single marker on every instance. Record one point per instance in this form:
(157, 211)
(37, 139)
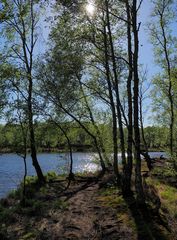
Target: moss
(111, 197)
(165, 172)
(126, 219)
(60, 204)
(168, 195)
(43, 190)
(28, 236)
(111, 201)
(32, 207)
(110, 190)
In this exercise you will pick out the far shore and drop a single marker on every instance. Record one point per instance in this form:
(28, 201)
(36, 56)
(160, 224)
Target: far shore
(63, 150)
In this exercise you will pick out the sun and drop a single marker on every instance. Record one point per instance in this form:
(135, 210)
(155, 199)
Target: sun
(90, 8)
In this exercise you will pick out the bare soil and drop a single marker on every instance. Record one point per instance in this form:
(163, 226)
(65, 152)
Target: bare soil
(88, 209)
(80, 214)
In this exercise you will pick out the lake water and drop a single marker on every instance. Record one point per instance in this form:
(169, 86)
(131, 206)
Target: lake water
(12, 166)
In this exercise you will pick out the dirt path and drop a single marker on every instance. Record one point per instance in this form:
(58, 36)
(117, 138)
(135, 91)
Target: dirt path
(78, 214)
(86, 218)
(88, 210)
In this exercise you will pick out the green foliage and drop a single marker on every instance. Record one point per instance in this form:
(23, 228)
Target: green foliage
(28, 236)
(60, 204)
(6, 215)
(110, 196)
(33, 207)
(168, 196)
(165, 173)
(16, 193)
(31, 188)
(164, 42)
(48, 136)
(157, 137)
(31, 180)
(51, 176)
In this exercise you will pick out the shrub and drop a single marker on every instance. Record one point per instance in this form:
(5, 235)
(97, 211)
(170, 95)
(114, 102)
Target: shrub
(51, 176)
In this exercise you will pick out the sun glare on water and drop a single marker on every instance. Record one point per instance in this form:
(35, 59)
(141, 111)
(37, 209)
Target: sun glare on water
(90, 8)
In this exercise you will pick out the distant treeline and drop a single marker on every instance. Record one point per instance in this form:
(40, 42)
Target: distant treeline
(50, 138)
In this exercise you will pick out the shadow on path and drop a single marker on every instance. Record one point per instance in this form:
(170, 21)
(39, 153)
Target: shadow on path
(148, 226)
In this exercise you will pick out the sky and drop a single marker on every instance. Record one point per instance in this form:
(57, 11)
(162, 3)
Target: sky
(146, 55)
(146, 50)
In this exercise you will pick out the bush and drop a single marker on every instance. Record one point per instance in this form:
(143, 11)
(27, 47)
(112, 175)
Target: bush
(51, 176)
(6, 215)
(32, 208)
(16, 193)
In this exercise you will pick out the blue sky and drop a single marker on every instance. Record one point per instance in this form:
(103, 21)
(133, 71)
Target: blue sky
(146, 55)
(146, 49)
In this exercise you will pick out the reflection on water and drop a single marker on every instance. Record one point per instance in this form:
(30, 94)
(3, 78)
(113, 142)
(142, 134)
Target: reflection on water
(12, 167)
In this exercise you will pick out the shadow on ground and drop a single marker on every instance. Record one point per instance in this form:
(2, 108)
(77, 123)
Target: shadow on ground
(148, 225)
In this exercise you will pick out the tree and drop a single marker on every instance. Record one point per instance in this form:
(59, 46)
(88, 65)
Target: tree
(99, 67)
(21, 119)
(20, 19)
(64, 71)
(135, 30)
(142, 97)
(116, 87)
(164, 44)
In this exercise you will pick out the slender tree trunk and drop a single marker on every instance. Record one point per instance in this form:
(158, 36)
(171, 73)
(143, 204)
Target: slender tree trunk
(36, 165)
(170, 93)
(28, 60)
(102, 163)
(145, 154)
(138, 178)
(71, 174)
(116, 85)
(113, 110)
(24, 181)
(128, 168)
(98, 134)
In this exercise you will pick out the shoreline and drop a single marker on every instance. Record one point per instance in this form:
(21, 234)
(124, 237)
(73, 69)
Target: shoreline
(55, 150)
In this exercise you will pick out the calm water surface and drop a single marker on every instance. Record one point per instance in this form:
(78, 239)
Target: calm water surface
(12, 167)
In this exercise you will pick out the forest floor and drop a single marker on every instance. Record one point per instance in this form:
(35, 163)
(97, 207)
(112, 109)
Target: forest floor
(89, 209)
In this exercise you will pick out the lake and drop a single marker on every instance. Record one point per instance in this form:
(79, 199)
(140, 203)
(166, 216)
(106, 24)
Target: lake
(12, 167)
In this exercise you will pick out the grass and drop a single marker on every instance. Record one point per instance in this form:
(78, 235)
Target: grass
(33, 187)
(60, 204)
(168, 196)
(28, 236)
(6, 215)
(111, 197)
(38, 204)
(35, 200)
(165, 172)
